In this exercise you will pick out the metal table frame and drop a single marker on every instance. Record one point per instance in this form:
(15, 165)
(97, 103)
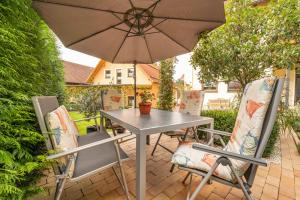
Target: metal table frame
(158, 121)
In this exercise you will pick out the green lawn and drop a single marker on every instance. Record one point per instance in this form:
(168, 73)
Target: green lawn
(82, 125)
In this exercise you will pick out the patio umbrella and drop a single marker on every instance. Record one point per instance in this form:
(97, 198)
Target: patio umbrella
(131, 31)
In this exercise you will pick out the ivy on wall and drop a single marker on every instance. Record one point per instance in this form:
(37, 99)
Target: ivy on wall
(29, 66)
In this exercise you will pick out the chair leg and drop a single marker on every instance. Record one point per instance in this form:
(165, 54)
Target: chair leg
(121, 170)
(186, 177)
(245, 188)
(194, 129)
(204, 180)
(61, 179)
(190, 185)
(172, 168)
(156, 144)
(185, 134)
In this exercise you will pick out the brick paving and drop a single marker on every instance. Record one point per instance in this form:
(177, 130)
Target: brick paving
(277, 181)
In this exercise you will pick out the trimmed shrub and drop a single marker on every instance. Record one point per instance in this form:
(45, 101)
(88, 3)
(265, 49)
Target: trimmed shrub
(224, 120)
(29, 66)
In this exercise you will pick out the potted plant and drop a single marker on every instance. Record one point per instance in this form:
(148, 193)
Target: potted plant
(145, 104)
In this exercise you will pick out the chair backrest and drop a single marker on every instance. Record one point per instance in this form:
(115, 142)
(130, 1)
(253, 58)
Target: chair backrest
(112, 99)
(267, 128)
(42, 106)
(191, 102)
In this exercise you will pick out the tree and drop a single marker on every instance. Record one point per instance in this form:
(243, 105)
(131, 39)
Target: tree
(250, 42)
(166, 100)
(29, 66)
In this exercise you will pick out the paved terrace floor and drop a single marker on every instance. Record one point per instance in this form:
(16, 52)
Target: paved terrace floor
(277, 181)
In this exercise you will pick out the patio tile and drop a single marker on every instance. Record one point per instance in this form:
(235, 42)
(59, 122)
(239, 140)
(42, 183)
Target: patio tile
(271, 191)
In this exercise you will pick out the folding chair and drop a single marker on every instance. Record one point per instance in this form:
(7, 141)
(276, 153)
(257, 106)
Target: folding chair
(79, 156)
(236, 164)
(191, 103)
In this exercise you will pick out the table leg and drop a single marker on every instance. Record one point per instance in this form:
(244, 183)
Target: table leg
(140, 167)
(148, 139)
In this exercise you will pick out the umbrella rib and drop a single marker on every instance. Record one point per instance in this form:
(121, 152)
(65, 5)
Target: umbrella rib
(148, 49)
(122, 43)
(136, 35)
(190, 19)
(89, 36)
(165, 34)
(154, 26)
(132, 6)
(123, 30)
(82, 7)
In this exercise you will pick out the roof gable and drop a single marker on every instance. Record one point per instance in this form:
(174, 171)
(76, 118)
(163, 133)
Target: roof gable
(150, 70)
(76, 73)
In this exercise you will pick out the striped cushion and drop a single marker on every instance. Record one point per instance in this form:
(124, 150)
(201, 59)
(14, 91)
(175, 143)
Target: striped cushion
(64, 133)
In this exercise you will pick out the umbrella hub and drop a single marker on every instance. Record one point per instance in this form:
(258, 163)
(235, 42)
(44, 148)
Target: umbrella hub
(138, 19)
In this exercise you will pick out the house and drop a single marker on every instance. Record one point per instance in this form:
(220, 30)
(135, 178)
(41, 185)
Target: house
(218, 95)
(110, 74)
(76, 74)
(292, 84)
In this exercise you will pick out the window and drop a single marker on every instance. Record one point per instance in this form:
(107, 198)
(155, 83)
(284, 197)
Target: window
(107, 74)
(119, 76)
(210, 85)
(234, 86)
(130, 101)
(130, 72)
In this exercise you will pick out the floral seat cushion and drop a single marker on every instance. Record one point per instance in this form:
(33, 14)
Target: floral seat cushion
(186, 156)
(64, 133)
(245, 136)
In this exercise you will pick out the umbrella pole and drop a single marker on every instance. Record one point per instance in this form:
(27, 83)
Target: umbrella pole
(134, 79)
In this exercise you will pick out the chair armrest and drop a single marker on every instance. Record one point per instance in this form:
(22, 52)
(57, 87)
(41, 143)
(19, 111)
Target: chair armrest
(86, 119)
(87, 146)
(224, 133)
(228, 154)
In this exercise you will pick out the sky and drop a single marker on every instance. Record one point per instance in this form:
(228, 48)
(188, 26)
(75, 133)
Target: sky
(182, 66)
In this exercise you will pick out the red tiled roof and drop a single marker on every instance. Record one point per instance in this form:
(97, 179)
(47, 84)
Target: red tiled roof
(152, 71)
(75, 73)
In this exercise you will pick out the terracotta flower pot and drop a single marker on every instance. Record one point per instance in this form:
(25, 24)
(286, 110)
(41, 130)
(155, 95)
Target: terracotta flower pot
(145, 108)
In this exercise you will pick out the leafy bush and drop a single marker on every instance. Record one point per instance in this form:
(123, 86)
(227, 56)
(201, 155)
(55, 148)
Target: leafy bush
(290, 118)
(29, 66)
(224, 120)
(166, 100)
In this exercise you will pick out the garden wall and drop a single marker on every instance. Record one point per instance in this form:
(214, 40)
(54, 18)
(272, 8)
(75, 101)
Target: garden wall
(29, 66)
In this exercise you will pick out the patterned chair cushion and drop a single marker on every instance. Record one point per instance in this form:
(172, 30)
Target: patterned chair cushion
(186, 156)
(64, 133)
(112, 100)
(246, 133)
(191, 102)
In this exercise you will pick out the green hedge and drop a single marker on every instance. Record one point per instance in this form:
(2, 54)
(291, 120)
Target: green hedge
(29, 66)
(224, 120)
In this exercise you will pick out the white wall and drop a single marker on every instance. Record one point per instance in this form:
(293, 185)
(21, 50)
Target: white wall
(221, 93)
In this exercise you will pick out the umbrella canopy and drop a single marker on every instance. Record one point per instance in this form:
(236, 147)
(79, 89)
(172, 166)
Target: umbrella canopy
(131, 31)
